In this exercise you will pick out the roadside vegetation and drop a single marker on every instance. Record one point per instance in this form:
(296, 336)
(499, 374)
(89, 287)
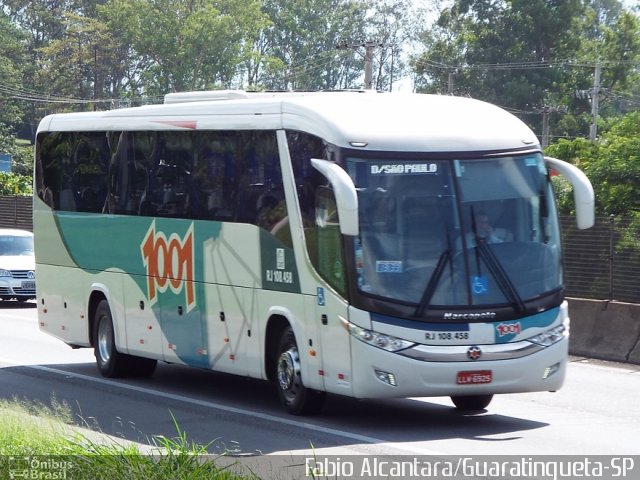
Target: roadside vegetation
(41, 441)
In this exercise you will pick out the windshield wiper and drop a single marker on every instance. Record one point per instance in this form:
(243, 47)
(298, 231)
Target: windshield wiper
(502, 277)
(433, 283)
(430, 290)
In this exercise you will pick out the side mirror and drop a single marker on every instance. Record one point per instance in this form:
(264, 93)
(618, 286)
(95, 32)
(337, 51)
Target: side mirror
(582, 191)
(345, 192)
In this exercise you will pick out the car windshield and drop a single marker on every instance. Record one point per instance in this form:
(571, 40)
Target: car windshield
(12, 245)
(456, 232)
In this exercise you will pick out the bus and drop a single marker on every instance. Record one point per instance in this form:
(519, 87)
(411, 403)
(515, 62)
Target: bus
(330, 242)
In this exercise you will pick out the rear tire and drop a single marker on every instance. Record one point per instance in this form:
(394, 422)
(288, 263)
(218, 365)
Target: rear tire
(293, 395)
(111, 363)
(472, 403)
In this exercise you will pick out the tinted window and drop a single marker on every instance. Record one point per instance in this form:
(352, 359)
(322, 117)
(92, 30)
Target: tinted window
(318, 208)
(211, 175)
(71, 169)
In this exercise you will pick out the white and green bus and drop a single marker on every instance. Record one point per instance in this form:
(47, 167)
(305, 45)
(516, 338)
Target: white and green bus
(328, 241)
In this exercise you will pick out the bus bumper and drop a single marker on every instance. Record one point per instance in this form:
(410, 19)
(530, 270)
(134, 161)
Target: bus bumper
(381, 374)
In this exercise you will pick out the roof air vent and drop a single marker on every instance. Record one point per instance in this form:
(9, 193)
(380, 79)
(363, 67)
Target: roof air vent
(205, 96)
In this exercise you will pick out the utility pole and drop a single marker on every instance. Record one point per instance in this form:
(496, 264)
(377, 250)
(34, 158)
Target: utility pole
(546, 111)
(368, 65)
(369, 47)
(545, 126)
(594, 94)
(593, 131)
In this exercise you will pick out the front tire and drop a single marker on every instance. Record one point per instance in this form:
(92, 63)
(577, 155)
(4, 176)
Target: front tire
(472, 403)
(111, 363)
(293, 395)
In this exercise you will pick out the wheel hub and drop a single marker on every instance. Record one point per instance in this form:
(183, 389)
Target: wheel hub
(288, 370)
(104, 341)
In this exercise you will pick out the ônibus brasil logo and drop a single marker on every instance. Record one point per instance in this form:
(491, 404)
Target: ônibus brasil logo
(169, 264)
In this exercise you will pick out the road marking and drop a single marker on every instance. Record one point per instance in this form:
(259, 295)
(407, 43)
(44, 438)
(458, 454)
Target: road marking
(239, 411)
(13, 316)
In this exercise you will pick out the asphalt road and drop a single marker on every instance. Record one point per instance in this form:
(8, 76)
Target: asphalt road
(595, 413)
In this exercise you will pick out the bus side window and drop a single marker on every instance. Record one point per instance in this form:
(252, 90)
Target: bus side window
(90, 159)
(52, 151)
(330, 263)
(214, 182)
(118, 176)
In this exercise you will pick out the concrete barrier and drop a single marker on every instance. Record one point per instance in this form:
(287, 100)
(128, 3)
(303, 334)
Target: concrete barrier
(605, 330)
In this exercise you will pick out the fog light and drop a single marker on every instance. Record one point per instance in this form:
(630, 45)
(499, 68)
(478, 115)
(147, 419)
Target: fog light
(386, 377)
(550, 370)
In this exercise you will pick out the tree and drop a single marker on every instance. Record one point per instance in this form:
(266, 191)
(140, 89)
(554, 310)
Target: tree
(12, 61)
(529, 55)
(495, 49)
(621, 51)
(186, 44)
(612, 164)
(392, 23)
(304, 36)
(82, 62)
(39, 22)
(15, 184)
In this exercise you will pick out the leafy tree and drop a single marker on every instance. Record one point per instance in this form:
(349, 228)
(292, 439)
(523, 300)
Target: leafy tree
(528, 55)
(186, 44)
(12, 61)
(80, 63)
(39, 22)
(612, 164)
(483, 39)
(15, 184)
(23, 159)
(305, 35)
(393, 24)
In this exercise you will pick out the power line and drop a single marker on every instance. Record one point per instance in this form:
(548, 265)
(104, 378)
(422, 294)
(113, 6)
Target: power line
(32, 96)
(524, 65)
(36, 97)
(369, 46)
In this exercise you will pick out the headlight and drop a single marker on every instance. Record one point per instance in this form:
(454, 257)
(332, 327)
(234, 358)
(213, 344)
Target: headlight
(5, 273)
(385, 342)
(549, 337)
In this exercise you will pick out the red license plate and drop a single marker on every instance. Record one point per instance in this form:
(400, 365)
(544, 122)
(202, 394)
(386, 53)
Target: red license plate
(474, 377)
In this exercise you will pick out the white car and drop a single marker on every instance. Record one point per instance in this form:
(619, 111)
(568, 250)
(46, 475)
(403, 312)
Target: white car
(17, 265)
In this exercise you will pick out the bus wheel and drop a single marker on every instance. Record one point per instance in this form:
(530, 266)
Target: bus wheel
(472, 402)
(294, 396)
(112, 363)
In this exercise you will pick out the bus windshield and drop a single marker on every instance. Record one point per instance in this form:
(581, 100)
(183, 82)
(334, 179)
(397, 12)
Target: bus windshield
(455, 233)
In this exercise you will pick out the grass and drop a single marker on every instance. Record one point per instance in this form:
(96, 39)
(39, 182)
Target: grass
(39, 441)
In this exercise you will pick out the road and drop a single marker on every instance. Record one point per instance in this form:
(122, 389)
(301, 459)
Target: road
(595, 413)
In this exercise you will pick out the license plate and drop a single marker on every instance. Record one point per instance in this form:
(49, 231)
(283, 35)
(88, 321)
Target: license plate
(474, 377)
(28, 285)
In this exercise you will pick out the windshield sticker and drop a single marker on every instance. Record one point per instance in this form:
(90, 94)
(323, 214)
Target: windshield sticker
(404, 169)
(388, 266)
(479, 285)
